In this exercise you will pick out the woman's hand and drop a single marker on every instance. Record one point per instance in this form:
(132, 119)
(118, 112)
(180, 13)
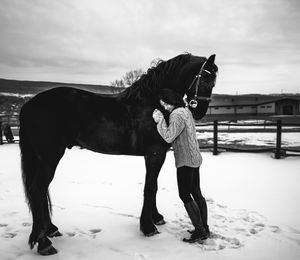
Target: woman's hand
(157, 115)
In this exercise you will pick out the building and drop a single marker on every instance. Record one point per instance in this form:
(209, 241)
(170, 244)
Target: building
(254, 104)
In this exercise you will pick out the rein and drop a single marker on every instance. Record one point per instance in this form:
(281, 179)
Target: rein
(193, 102)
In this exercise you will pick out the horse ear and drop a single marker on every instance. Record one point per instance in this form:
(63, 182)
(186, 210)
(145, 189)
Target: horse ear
(210, 61)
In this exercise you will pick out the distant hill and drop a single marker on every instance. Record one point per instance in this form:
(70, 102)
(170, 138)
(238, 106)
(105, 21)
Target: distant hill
(33, 87)
(14, 93)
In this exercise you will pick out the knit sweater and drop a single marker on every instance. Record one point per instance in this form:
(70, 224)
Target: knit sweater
(181, 132)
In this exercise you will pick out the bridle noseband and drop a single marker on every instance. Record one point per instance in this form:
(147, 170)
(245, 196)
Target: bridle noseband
(193, 103)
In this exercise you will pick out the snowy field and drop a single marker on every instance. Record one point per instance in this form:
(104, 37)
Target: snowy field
(256, 139)
(253, 203)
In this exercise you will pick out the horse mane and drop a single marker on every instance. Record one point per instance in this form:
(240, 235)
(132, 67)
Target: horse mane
(149, 83)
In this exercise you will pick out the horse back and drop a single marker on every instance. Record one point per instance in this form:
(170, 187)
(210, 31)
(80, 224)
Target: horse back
(102, 123)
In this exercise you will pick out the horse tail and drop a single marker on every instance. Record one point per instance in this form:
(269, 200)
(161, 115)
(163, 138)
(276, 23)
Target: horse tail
(29, 161)
(28, 158)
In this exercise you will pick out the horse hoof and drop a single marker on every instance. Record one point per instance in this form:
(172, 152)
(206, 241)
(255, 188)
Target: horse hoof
(152, 233)
(149, 233)
(50, 250)
(55, 234)
(160, 222)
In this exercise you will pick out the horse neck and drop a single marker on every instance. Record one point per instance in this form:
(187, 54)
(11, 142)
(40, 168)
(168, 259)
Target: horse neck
(146, 89)
(137, 95)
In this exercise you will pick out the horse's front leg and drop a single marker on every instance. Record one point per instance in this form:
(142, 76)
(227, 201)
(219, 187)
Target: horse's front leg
(154, 160)
(157, 218)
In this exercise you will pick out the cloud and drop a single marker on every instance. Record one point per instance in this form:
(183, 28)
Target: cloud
(98, 41)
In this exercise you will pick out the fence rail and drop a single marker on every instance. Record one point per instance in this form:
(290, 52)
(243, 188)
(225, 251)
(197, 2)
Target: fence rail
(1, 137)
(277, 127)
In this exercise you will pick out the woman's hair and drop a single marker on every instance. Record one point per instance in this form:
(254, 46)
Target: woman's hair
(171, 97)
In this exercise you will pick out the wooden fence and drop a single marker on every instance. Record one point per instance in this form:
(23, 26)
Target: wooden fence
(277, 149)
(217, 148)
(1, 137)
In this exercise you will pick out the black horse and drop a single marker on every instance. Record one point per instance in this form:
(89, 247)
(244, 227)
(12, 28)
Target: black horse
(121, 123)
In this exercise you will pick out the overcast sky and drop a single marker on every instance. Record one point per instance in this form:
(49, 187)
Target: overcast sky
(257, 42)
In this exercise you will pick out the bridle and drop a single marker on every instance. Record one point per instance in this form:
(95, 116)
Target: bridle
(193, 103)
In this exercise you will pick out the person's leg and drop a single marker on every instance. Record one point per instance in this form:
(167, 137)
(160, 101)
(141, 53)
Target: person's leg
(200, 200)
(185, 183)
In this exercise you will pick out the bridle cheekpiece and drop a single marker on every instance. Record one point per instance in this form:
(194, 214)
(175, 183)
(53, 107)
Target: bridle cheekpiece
(193, 103)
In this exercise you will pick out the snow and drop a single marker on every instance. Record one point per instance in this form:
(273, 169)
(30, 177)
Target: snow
(9, 94)
(289, 139)
(97, 200)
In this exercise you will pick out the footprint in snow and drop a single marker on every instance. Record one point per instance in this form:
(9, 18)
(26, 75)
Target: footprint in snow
(240, 230)
(138, 256)
(275, 229)
(95, 231)
(293, 235)
(294, 231)
(258, 227)
(9, 235)
(218, 242)
(217, 216)
(124, 215)
(230, 227)
(221, 206)
(221, 243)
(92, 232)
(70, 234)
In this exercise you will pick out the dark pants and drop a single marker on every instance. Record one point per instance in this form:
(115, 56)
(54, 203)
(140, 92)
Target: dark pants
(188, 184)
(188, 180)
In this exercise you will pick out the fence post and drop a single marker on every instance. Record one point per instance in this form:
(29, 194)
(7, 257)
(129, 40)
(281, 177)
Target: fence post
(1, 138)
(278, 140)
(215, 149)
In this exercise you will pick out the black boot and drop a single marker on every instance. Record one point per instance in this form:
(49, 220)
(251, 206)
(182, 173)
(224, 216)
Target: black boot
(197, 235)
(191, 231)
(203, 211)
(194, 213)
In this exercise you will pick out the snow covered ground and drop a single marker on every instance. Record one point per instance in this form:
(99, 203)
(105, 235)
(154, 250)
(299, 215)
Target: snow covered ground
(291, 139)
(253, 203)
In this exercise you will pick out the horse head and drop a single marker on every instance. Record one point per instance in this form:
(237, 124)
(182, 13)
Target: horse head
(195, 81)
(198, 93)
(191, 76)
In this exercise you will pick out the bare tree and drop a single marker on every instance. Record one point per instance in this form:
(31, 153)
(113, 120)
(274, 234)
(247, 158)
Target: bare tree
(130, 77)
(118, 83)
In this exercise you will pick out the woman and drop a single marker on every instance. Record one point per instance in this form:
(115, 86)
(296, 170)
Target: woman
(181, 132)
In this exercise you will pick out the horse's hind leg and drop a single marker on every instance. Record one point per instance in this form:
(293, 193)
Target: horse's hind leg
(49, 171)
(51, 230)
(51, 161)
(41, 205)
(38, 199)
